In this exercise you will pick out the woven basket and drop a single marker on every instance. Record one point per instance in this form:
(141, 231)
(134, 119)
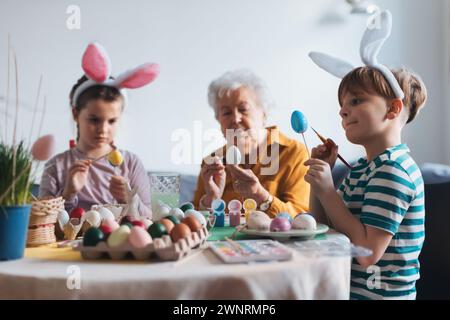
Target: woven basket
(43, 216)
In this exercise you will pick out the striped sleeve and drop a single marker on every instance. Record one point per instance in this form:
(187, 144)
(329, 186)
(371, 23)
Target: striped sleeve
(387, 197)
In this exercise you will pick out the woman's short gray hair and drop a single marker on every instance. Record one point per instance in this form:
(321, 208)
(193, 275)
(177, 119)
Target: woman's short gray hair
(236, 79)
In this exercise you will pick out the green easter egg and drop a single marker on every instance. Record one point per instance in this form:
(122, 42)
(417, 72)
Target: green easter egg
(174, 219)
(186, 206)
(157, 230)
(92, 237)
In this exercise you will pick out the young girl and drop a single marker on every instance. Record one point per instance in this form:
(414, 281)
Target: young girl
(83, 175)
(380, 204)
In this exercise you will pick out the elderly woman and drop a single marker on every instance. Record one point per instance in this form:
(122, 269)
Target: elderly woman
(271, 171)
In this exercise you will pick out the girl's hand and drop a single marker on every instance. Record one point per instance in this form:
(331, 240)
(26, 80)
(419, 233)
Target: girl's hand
(214, 177)
(118, 187)
(76, 178)
(319, 177)
(247, 184)
(327, 152)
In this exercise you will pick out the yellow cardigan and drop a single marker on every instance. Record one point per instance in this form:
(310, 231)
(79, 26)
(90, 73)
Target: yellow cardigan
(287, 185)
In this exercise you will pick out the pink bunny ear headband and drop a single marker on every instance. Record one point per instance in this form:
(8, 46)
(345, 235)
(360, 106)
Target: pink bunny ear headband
(371, 43)
(97, 67)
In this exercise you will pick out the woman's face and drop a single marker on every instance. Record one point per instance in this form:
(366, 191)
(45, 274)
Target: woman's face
(241, 119)
(98, 122)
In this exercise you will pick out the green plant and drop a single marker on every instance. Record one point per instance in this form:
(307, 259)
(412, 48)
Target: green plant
(15, 169)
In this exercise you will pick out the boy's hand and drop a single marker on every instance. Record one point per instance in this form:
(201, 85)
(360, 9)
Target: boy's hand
(327, 152)
(319, 177)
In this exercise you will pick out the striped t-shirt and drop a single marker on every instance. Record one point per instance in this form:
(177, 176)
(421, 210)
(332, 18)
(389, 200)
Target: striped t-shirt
(388, 193)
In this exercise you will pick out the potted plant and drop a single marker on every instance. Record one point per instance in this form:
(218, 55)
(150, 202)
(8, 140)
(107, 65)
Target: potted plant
(16, 161)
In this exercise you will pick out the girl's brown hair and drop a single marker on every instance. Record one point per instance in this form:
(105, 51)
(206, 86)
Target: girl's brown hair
(372, 81)
(102, 92)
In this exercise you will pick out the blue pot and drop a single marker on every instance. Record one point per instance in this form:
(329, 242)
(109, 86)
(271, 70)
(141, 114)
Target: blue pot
(13, 231)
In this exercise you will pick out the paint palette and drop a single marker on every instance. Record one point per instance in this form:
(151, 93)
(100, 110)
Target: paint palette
(250, 251)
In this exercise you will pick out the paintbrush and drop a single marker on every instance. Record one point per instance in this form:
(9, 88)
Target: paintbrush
(327, 144)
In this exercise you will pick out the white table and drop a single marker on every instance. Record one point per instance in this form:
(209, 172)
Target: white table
(201, 276)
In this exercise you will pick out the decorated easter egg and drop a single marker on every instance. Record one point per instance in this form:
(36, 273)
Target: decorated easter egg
(77, 213)
(304, 221)
(233, 155)
(180, 231)
(234, 205)
(174, 219)
(139, 238)
(280, 224)
(119, 236)
(107, 230)
(105, 213)
(138, 223)
(157, 230)
(168, 224)
(115, 158)
(111, 223)
(177, 212)
(218, 205)
(285, 215)
(258, 220)
(92, 237)
(93, 217)
(192, 223)
(197, 215)
(186, 206)
(43, 148)
(250, 205)
(299, 122)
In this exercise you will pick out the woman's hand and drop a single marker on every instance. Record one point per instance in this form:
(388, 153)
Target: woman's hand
(214, 176)
(76, 178)
(319, 177)
(327, 152)
(247, 184)
(118, 186)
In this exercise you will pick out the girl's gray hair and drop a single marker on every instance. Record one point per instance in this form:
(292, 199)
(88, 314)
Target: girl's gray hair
(236, 79)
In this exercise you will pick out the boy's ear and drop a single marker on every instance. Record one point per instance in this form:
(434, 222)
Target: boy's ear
(395, 108)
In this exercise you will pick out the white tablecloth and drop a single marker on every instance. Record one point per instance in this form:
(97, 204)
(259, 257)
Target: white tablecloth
(201, 276)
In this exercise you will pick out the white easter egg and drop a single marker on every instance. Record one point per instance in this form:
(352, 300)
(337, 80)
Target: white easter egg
(93, 217)
(258, 220)
(119, 236)
(233, 155)
(177, 212)
(160, 212)
(63, 218)
(105, 213)
(197, 215)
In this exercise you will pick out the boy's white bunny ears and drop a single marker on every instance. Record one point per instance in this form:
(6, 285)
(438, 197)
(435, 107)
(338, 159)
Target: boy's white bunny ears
(97, 67)
(371, 43)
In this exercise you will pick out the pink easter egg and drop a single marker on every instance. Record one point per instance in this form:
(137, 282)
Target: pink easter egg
(139, 237)
(43, 148)
(111, 223)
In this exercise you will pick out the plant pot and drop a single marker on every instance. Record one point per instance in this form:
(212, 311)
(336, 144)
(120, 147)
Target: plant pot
(13, 231)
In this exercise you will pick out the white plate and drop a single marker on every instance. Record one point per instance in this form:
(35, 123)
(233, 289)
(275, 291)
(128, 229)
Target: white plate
(293, 233)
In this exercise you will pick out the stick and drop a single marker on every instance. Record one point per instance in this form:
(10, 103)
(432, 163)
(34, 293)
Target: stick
(324, 140)
(8, 76)
(307, 149)
(15, 125)
(14, 182)
(42, 117)
(35, 108)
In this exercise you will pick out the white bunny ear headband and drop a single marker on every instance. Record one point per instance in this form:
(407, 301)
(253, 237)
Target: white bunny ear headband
(97, 67)
(371, 43)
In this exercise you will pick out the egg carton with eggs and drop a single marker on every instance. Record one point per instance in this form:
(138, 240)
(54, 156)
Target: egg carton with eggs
(163, 248)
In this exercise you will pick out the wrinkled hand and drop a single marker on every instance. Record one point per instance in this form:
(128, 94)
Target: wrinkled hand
(327, 152)
(247, 184)
(319, 177)
(118, 186)
(76, 178)
(214, 177)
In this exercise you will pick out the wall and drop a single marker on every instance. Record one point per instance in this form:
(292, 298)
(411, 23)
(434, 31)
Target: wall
(195, 41)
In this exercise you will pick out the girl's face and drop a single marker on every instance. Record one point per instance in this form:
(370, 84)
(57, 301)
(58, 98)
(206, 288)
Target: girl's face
(363, 117)
(98, 122)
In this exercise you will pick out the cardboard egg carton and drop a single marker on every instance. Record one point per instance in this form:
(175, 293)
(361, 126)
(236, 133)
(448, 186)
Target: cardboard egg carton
(162, 248)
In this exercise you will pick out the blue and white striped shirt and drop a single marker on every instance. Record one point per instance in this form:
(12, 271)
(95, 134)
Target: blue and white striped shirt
(388, 194)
